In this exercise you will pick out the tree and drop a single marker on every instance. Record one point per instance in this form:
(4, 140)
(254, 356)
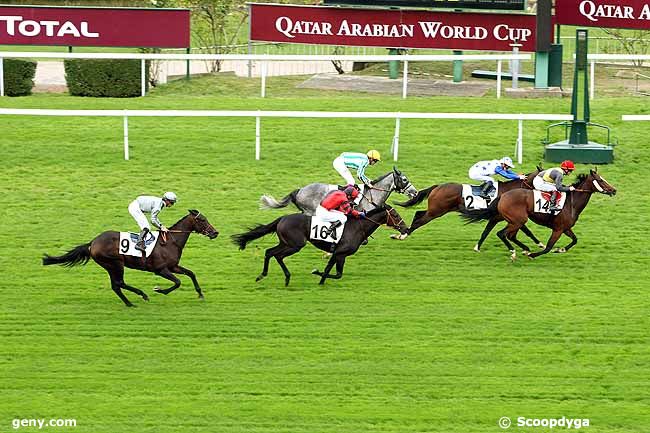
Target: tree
(632, 41)
(216, 25)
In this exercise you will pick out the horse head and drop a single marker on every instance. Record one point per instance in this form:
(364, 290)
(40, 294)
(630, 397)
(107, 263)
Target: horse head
(600, 184)
(201, 225)
(402, 183)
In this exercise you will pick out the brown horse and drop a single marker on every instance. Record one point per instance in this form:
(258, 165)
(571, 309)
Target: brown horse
(163, 261)
(518, 206)
(448, 197)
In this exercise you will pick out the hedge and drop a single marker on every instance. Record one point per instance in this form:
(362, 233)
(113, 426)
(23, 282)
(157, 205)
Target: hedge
(18, 76)
(104, 78)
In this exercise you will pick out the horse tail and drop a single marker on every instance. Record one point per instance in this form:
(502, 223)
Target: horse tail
(77, 256)
(422, 194)
(256, 232)
(268, 202)
(474, 216)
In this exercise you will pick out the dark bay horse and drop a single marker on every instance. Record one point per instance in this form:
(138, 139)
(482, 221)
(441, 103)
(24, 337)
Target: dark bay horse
(293, 233)
(448, 197)
(163, 261)
(517, 207)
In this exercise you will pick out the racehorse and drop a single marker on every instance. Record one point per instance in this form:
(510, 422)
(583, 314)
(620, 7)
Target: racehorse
(309, 197)
(448, 197)
(517, 206)
(163, 261)
(293, 233)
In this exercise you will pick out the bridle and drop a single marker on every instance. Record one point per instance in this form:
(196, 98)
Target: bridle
(390, 220)
(203, 232)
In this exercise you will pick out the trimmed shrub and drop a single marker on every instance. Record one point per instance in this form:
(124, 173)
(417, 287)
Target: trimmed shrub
(19, 76)
(104, 78)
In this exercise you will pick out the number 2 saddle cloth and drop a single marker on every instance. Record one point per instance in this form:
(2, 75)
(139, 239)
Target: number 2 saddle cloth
(472, 196)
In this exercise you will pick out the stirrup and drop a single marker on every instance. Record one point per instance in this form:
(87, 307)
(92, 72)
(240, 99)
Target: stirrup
(140, 246)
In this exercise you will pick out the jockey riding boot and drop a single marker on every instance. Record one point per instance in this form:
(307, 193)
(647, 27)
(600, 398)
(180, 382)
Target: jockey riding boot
(553, 202)
(332, 229)
(487, 188)
(140, 244)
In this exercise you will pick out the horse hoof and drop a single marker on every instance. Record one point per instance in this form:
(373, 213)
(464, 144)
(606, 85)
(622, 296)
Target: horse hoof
(201, 297)
(541, 246)
(259, 278)
(526, 253)
(560, 250)
(477, 249)
(145, 298)
(130, 305)
(315, 272)
(399, 237)
(513, 256)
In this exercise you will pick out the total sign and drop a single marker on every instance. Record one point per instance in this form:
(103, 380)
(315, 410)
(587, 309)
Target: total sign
(391, 29)
(631, 14)
(109, 27)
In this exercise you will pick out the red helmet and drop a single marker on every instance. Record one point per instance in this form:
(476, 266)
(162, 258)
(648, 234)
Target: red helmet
(351, 192)
(568, 165)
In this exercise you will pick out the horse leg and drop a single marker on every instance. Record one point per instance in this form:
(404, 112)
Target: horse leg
(532, 236)
(326, 271)
(574, 240)
(513, 238)
(135, 290)
(486, 231)
(166, 273)
(181, 270)
(549, 245)
(271, 252)
(504, 238)
(340, 262)
(288, 251)
(420, 218)
(115, 271)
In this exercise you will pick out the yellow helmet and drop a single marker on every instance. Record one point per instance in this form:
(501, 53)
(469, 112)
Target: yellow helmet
(373, 154)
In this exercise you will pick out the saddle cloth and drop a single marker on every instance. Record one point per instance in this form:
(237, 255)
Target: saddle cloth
(342, 187)
(542, 201)
(318, 228)
(472, 196)
(128, 241)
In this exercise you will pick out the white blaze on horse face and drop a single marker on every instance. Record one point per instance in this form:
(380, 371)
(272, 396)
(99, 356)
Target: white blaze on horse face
(597, 185)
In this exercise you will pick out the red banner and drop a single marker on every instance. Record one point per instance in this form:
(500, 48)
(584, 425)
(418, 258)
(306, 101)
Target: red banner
(99, 27)
(392, 29)
(624, 14)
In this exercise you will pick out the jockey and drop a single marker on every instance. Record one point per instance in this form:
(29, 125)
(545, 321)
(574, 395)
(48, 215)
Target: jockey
(335, 207)
(551, 181)
(484, 170)
(359, 162)
(152, 205)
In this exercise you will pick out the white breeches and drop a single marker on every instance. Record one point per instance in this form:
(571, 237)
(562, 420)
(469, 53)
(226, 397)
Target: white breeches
(541, 185)
(339, 165)
(138, 216)
(478, 174)
(330, 215)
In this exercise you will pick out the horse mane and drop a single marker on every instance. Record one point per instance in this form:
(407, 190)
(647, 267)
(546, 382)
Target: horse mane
(579, 180)
(382, 177)
(190, 212)
(375, 211)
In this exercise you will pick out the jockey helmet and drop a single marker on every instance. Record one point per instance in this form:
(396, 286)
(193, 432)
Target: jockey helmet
(373, 154)
(568, 165)
(351, 192)
(507, 161)
(170, 196)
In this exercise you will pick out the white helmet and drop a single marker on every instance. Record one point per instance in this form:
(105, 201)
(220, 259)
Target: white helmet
(170, 196)
(506, 160)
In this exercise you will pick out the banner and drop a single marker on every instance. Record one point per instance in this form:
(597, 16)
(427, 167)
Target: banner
(624, 14)
(100, 27)
(391, 28)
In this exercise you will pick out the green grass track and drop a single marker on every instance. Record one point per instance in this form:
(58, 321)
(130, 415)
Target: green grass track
(419, 336)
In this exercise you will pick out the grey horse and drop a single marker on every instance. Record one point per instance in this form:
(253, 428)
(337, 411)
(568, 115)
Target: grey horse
(309, 197)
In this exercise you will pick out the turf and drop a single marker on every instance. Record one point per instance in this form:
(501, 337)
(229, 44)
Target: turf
(419, 336)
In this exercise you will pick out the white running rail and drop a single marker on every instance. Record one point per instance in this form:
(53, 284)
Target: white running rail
(125, 114)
